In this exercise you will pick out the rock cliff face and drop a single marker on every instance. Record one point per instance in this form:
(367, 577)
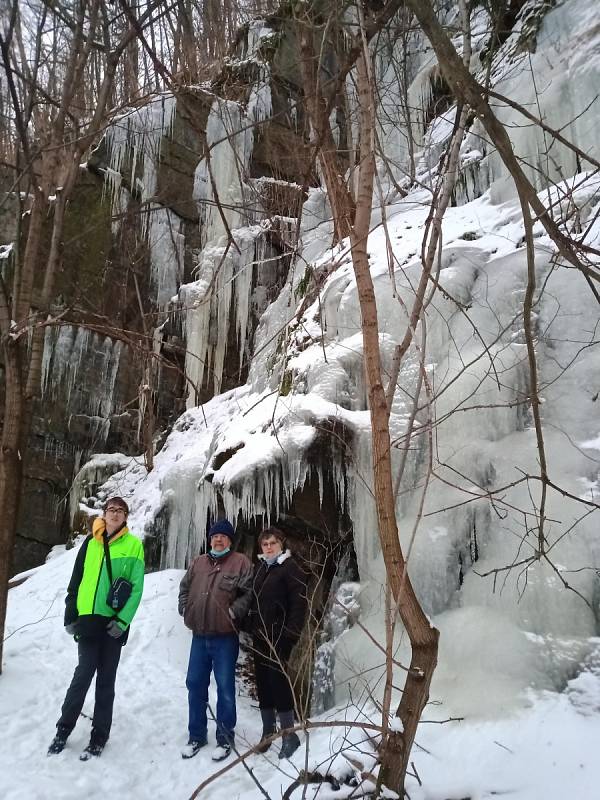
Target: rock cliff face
(145, 262)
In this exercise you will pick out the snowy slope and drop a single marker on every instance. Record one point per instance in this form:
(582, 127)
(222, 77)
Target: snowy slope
(548, 751)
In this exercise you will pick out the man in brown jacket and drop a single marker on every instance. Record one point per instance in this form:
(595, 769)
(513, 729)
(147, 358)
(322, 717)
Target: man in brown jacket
(214, 596)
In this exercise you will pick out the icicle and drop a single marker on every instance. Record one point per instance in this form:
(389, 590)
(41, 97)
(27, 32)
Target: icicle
(362, 508)
(138, 133)
(167, 245)
(260, 103)
(225, 277)
(121, 203)
(68, 352)
(257, 32)
(49, 344)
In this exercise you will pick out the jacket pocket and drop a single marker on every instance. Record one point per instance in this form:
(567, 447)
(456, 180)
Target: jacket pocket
(229, 583)
(188, 614)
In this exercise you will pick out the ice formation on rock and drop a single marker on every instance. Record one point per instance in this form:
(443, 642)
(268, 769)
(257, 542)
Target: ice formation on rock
(134, 141)
(468, 501)
(223, 285)
(166, 242)
(82, 366)
(88, 480)
(233, 243)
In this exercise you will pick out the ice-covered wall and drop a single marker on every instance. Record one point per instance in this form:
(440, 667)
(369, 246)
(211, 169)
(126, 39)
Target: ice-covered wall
(519, 625)
(503, 633)
(79, 368)
(557, 82)
(538, 67)
(92, 476)
(221, 293)
(234, 243)
(134, 143)
(468, 501)
(166, 243)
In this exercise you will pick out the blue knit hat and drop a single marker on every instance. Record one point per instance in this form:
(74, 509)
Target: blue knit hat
(221, 526)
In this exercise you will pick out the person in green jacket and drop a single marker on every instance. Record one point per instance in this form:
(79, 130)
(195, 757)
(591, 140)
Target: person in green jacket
(99, 630)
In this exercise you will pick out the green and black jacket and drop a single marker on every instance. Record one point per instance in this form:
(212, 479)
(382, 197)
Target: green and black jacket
(89, 585)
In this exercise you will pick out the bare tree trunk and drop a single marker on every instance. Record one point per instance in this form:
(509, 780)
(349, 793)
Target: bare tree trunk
(131, 84)
(189, 54)
(52, 266)
(148, 427)
(355, 222)
(11, 466)
(11, 474)
(337, 191)
(423, 636)
(22, 292)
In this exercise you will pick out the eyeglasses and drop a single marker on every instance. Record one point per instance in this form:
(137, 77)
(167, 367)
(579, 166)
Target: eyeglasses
(113, 510)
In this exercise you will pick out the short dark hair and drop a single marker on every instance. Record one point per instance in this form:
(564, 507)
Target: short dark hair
(268, 532)
(117, 501)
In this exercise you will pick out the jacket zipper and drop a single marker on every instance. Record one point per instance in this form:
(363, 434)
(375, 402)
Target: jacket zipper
(98, 580)
(211, 576)
(102, 564)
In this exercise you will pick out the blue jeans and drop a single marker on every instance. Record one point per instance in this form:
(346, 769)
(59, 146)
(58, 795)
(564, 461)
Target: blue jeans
(217, 654)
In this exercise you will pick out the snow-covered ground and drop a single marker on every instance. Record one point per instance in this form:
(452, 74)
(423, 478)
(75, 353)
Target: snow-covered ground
(545, 752)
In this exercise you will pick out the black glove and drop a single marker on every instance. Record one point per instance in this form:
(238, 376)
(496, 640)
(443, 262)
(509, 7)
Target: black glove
(113, 629)
(71, 628)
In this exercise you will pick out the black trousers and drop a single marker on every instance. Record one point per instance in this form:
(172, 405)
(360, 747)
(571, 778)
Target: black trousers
(272, 683)
(98, 655)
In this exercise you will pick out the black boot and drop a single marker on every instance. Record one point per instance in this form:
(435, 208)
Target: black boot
(269, 728)
(57, 745)
(94, 748)
(290, 741)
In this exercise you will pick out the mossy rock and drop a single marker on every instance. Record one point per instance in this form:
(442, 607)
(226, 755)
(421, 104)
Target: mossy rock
(87, 240)
(287, 383)
(303, 283)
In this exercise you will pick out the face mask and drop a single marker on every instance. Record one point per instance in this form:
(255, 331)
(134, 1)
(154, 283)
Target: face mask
(270, 561)
(221, 553)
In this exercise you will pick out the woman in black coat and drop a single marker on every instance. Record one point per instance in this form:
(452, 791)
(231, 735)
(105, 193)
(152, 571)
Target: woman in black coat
(277, 615)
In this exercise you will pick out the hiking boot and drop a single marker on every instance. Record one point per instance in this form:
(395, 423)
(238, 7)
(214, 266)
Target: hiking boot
(93, 750)
(265, 742)
(221, 752)
(290, 744)
(269, 728)
(192, 747)
(57, 745)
